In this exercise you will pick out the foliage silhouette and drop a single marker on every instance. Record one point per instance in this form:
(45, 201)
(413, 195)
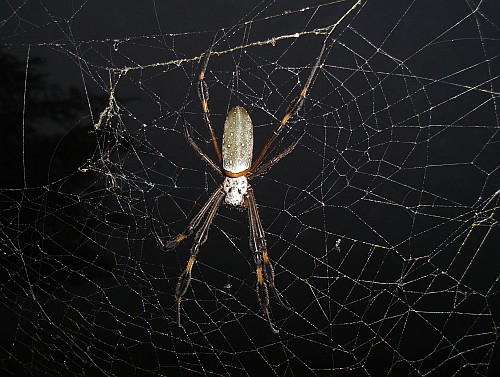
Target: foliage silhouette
(45, 231)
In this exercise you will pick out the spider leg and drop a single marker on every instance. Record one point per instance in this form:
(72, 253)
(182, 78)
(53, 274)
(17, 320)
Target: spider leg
(193, 224)
(203, 94)
(276, 158)
(258, 241)
(198, 150)
(260, 235)
(264, 269)
(292, 110)
(200, 238)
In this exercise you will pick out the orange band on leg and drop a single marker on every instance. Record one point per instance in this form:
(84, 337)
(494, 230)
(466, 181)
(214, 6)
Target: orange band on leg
(260, 280)
(303, 93)
(190, 264)
(285, 119)
(265, 257)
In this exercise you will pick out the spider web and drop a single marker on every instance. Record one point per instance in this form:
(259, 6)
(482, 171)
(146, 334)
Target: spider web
(382, 224)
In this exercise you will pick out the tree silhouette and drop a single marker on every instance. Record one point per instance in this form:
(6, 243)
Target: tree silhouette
(45, 231)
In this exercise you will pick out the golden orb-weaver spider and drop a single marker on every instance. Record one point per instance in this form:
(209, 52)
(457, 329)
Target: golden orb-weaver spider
(237, 170)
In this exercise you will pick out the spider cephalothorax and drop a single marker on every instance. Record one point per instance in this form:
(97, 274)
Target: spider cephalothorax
(237, 170)
(235, 190)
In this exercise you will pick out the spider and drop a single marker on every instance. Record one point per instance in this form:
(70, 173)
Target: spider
(237, 169)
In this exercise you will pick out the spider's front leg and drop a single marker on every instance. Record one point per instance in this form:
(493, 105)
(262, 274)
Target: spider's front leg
(193, 224)
(200, 238)
(264, 272)
(263, 294)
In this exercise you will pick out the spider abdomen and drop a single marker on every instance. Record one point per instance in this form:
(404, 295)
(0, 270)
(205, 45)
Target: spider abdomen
(237, 141)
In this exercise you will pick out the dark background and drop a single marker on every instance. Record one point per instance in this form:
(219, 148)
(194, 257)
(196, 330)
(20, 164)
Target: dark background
(399, 161)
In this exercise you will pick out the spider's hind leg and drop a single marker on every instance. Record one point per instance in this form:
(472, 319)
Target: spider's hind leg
(203, 95)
